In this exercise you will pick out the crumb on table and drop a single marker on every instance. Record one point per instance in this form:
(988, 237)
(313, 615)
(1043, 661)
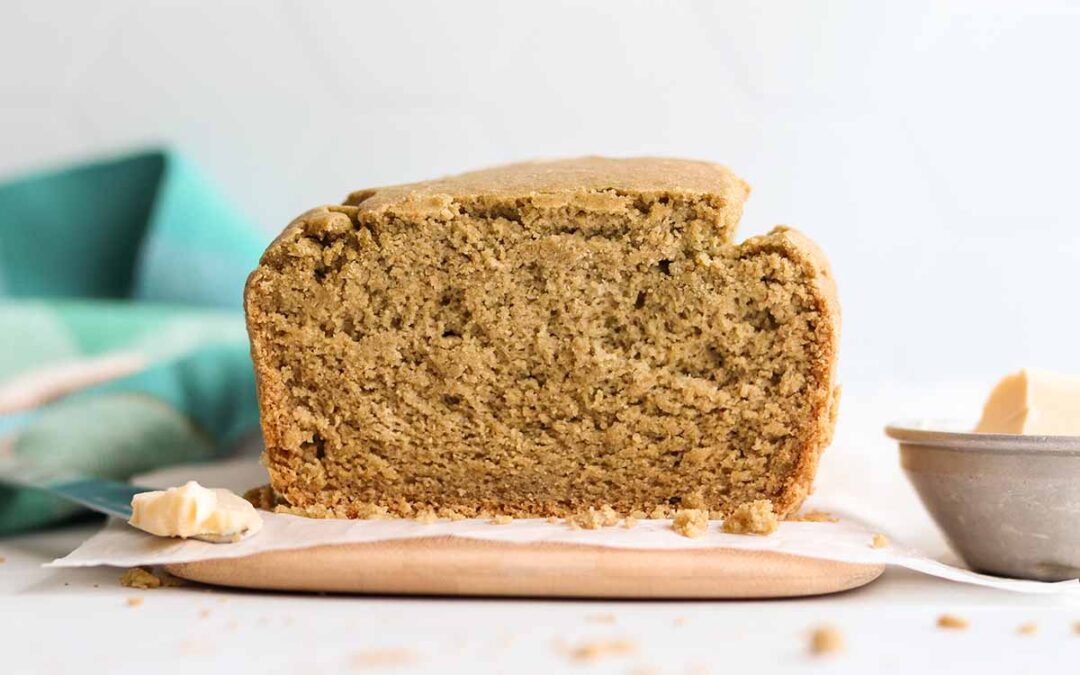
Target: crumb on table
(597, 649)
(756, 517)
(691, 523)
(1028, 628)
(382, 658)
(135, 601)
(879, 541)
(826, 640)
(502, 519)
(952, 621)
(138, 577)
(606, 617)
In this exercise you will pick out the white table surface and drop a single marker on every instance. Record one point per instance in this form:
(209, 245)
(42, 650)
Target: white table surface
(78, 620)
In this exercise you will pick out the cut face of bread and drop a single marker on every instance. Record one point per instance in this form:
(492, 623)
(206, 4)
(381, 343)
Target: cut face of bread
(539, 339)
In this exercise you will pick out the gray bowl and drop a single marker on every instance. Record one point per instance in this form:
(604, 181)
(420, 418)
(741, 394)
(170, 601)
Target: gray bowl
(1009, 505)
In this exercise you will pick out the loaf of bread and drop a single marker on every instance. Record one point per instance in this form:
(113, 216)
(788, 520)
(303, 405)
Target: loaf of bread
(540, 339)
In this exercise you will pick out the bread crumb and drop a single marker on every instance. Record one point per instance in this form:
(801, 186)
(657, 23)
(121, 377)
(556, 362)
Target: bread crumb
(426, 516)
(754, 517)
(553, 519)
(203, 613)
(601, 618)
(263, 497)
(826, 640)
(660, 512)
(382, 658)
(134, 601)
(680, 621)
(1028, 628)
(1076, 627)
(691, 523)
(879, 541)
(138, 577)
(452, 515)
(629, 522)
(353, 511)
(594, 519)
(952, 621)
(501, 519)
(595, 650)
(814, 517)
(2, 560)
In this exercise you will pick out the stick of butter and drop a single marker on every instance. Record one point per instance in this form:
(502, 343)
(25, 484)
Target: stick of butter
(191, 510)
(1034, 402)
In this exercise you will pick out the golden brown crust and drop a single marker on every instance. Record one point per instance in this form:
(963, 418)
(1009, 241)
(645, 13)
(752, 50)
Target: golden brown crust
(587, 183)
(800, 248)
(268, 386)
(567, 178)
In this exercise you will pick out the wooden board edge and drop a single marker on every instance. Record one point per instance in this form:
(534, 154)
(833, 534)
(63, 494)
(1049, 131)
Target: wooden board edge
(471, 567)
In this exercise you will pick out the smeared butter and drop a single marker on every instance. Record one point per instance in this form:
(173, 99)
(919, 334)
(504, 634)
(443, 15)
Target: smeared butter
(191, 510)
(1034, 402)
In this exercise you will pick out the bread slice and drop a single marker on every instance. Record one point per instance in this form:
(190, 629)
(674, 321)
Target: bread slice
(542, 338)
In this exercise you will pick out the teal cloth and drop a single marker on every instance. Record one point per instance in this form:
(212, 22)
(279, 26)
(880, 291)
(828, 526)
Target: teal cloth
(134, 257)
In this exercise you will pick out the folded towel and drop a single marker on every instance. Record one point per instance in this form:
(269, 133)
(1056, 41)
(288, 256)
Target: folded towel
(124, 346)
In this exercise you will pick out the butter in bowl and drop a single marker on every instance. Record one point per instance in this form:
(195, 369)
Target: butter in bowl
(1006, 495)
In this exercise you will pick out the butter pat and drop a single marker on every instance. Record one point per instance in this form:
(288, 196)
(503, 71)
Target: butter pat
(192, 510)
(1033, 402)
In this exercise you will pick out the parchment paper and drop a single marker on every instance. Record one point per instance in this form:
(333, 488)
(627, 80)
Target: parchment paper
(120, 545)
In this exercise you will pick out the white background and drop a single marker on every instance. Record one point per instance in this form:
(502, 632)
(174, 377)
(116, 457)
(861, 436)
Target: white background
(929, 147)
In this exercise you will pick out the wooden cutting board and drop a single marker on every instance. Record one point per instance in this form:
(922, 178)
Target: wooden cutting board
(470, 567)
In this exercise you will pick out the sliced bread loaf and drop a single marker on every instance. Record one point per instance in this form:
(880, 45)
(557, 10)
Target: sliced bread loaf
(542, 338)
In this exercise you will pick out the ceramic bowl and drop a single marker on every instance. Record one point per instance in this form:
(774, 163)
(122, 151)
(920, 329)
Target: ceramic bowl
(1009, 505)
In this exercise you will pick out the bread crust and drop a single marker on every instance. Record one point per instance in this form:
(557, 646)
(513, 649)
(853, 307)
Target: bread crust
(565, 177)
(802, 250)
